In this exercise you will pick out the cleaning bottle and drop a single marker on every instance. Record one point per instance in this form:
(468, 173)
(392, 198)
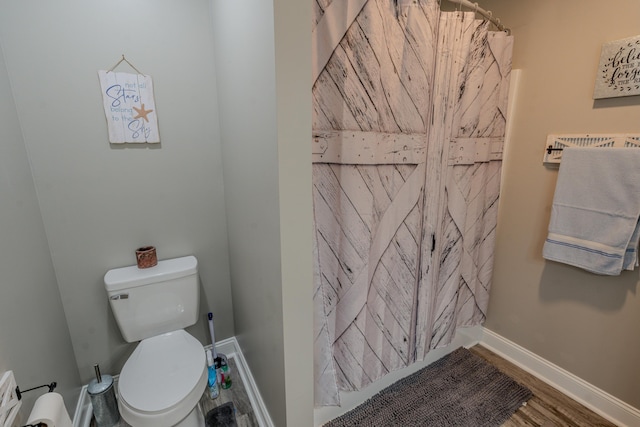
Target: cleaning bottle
(224, 371)
(212, 378)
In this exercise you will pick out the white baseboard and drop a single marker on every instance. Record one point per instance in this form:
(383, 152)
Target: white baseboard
(599, 401)
(228, 347)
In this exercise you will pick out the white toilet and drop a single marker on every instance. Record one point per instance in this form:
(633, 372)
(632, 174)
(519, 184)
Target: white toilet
(162, 381)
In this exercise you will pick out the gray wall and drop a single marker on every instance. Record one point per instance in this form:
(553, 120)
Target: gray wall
(585, 323)
(246, 88)
(264, 94)
(100, 202)
(34, 338)
(293, 94)
(95, 214)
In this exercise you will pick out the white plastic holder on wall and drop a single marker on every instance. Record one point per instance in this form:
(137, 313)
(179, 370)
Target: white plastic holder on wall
(9, 402)
(556, 143)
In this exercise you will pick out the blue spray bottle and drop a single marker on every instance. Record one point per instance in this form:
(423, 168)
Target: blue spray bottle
(212, 382)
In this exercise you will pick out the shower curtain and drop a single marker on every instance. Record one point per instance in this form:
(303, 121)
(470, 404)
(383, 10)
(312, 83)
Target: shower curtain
(409, 114)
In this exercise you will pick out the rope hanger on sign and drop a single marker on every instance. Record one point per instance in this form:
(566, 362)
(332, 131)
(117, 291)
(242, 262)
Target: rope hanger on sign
(125, 60)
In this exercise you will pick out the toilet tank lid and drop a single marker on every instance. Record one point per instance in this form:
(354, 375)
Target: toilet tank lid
(132, 276)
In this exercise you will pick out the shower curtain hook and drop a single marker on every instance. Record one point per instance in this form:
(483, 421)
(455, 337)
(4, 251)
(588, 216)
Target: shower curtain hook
(475, 7)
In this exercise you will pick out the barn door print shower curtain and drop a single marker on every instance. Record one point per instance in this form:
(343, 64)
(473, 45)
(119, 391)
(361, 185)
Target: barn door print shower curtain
(408, 129)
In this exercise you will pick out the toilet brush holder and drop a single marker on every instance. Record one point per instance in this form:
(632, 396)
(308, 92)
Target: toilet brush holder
(103, 399)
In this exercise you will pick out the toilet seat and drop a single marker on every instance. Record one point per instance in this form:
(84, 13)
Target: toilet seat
(163, 378)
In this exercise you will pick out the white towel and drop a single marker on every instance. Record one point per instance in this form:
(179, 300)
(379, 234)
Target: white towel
(596, 208)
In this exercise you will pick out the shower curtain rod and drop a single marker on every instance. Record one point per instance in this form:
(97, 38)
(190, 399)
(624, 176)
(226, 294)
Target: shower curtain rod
(486, 13)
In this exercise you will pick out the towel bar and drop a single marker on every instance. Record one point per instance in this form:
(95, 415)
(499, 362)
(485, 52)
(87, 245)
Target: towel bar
(555, 143)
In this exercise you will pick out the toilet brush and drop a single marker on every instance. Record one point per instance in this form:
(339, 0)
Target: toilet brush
(221, 363)
(213, 336)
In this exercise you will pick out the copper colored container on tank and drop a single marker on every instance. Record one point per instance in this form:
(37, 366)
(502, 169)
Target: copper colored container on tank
(146, 257)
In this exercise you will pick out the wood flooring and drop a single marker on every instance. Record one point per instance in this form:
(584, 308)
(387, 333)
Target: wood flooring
(548, 407)
(245, 416)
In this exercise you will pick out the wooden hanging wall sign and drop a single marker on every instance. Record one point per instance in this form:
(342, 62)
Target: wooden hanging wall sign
(129, 106)
(619, 69)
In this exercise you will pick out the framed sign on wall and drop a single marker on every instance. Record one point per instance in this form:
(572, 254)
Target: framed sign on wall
(619, 69)
(129, 106)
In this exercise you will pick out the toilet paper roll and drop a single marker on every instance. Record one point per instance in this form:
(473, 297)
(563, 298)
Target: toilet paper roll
(49, 409)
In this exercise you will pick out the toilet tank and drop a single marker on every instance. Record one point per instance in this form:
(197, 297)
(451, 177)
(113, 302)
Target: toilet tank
(151, 301)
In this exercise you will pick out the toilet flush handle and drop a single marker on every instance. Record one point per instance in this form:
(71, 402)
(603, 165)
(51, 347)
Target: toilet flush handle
(119, 296)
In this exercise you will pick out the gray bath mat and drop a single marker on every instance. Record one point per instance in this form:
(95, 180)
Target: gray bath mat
(461, 389)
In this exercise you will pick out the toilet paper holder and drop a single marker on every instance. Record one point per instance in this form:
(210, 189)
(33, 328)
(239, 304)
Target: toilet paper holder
(19, 393)
(51, 386)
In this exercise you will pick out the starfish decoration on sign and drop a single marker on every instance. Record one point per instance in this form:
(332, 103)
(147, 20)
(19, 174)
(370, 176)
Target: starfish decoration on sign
(142, 113)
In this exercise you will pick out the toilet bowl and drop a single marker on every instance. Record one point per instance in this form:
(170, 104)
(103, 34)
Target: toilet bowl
(162, 382)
